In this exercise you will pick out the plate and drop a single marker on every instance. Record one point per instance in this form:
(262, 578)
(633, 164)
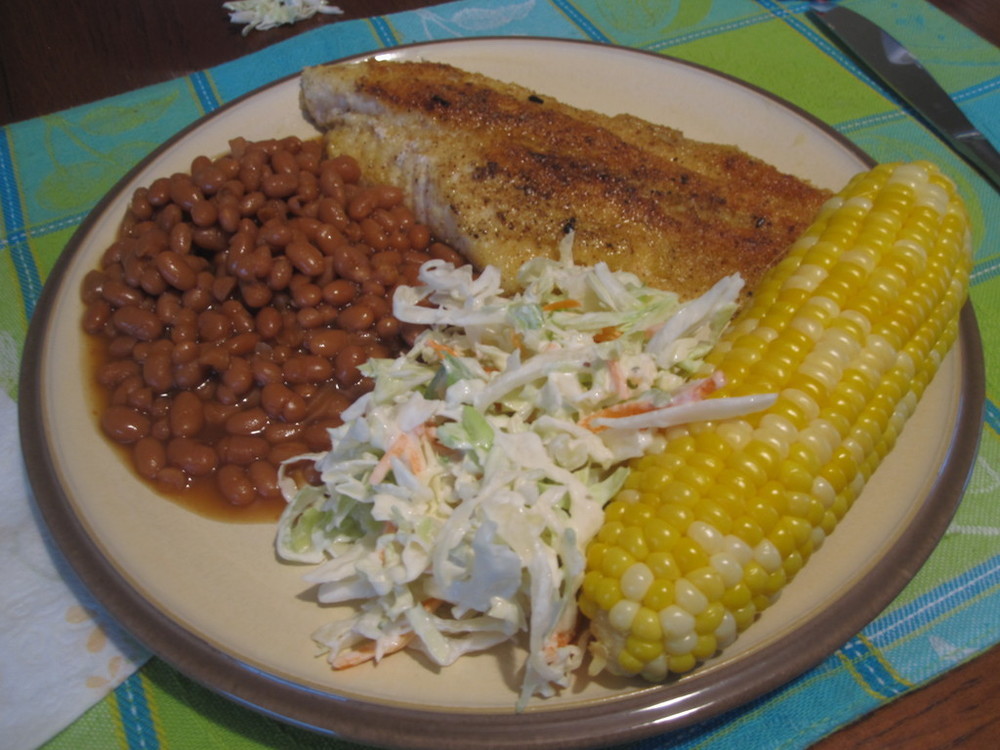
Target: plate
(210, 598)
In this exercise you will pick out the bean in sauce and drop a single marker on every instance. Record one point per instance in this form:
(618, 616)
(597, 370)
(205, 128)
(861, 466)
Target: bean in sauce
(231, 315)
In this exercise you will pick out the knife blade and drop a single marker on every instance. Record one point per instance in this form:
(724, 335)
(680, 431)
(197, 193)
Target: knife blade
(891, 62)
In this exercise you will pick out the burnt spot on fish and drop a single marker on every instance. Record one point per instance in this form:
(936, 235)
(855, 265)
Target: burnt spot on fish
(536, 99)
(485, 171)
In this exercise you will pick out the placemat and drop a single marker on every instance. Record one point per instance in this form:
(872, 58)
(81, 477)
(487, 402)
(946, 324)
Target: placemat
(55, 168)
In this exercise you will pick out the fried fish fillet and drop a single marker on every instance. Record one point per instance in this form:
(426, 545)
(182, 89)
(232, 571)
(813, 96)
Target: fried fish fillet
(501, 172)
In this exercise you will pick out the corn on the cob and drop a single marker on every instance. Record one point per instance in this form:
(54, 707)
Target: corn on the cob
(848, 329)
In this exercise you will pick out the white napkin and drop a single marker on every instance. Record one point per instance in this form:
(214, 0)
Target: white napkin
(60, 653)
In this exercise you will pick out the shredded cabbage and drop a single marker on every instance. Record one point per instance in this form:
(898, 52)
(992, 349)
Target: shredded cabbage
(460, 493)
(267, 14)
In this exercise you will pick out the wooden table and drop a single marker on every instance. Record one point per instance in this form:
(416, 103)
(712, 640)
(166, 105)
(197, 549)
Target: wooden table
(61, 53)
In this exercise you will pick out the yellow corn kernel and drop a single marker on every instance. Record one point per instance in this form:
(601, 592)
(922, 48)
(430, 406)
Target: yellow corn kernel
(848, 329)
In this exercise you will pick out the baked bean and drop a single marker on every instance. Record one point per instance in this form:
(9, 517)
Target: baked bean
(251, 170)
(149, 457)
(374, 234)
(160, 409)
(197, 299)
(284, 451)
(151, 281)
(93, 283)
(331, 211)
(347, 166)
(284, 162)
(326, 342)
(275, 233)
(388, 327)
(238, 376)
(213, 325)
(169, 216)
(409, 273)
(228, 217)
(317, 435)
(121, 347)
(112, 374)
(346, 364)
(199, 163)
(209, 238)
(281, 274)
(120, 294)
(356, 317)
(157, 371)
(307, 368)
(235, 485)
(328, 238)
(243, 343)
(159, 192)
(195, 458)
(362, 204)
(290, 339)
(209, 178)
(339, 292)
(305, 258)
(204, 213)
(137, 322)
(123, 391)
(267, 322)
(281, 402)
(183, 329)
(140, 206)
(217, 413)
(185, 351)
(261, 262)
(281, 432)
(189, 374)
(96, 315)
(306, 195)
(151, 241)
(265, 371)
(242, 449)
(251, 202)
(310, 317)
(264, 477)
(217, 357)
(187, 415)
(256, 294)
(183, 191)
(241, 320)
(140, 399)
(222, 287)
(443, 252)
(247, 422)
(352, 263)
(175, 271)
(305, 293)
(278, 185)
(160, 430)
(124, 424)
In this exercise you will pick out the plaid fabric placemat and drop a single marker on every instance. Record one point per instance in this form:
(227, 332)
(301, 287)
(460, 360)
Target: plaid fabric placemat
(55, 168)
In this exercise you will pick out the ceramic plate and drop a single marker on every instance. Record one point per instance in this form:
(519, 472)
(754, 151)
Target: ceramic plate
(210, 597)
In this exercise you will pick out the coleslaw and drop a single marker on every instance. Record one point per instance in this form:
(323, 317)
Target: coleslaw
(460, 493)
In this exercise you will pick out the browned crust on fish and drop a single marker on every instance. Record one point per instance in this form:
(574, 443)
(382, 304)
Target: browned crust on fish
(513, 169)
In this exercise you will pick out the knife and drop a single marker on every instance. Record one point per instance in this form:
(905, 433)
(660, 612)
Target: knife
(903, 73)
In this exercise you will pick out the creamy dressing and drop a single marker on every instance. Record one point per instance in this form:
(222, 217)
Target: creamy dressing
(459, 495)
